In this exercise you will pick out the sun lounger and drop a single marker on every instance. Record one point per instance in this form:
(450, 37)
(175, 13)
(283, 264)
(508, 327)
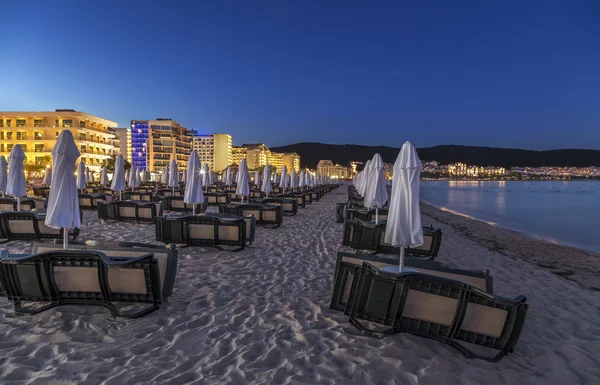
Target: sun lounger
(367, 215)
(346, 264)
(177, 204)
(41, 191)
(138, 211)
(28, 225)
(289, 205)
(266, 215)
(300, 198)
(208, 229)
(167, 192)
(217, 198)
(90, 201)
(256, 194)
(361, 235)
(80, 277)
(138, 196)
(443, 309)
(166, 257)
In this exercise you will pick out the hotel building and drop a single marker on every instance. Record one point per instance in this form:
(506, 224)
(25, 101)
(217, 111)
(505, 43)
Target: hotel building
(37, 132)
(214, 150)
(154, 143)
(258, 155)
(327, 168)
(123, 142)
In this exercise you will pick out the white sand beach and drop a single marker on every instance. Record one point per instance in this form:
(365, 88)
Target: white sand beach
(261, 316)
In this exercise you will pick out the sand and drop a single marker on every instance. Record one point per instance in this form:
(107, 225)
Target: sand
(261, 316)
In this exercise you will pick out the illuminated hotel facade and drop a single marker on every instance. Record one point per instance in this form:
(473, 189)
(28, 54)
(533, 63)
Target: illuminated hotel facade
(154, 143)
(214, 150)
(37, 132)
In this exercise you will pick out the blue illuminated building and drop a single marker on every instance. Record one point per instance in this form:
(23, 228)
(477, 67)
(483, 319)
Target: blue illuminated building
(139, 141)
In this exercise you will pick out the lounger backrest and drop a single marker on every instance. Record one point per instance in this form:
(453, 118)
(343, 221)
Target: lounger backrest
(6, 206)
(162, 256)
(436, 308)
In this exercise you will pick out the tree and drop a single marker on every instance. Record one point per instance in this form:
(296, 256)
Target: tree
(109, 163)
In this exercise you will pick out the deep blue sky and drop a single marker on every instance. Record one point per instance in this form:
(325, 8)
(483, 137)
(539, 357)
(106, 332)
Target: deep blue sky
(506, 73)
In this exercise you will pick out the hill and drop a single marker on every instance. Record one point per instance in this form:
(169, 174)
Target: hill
(311, 153)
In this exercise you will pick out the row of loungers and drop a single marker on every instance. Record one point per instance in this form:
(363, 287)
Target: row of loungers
(427, 299)
(138, 211)
(221, 231)
(361, 235)
(449, 305)
(265, 214)
(28, 204)
(105, 274)
(29, 225)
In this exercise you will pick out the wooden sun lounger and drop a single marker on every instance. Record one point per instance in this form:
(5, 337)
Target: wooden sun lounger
(361, 235)
(177, 204)
(346, 264)
(266, 215)
(434, 307)
(208, 229)
(80, 277)
(166, 257)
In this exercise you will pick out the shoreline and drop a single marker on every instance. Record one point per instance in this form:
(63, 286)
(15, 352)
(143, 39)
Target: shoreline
(575, 264)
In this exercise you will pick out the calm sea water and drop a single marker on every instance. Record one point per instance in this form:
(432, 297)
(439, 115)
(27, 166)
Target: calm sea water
(561, 212)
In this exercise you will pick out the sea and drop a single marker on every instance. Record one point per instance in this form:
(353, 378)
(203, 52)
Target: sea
(562, 212)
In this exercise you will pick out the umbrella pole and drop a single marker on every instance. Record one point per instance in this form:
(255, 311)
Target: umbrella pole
(18, 203)
(376, 215)
(120, 195)
(193, 209)
(401, 265)
(65, 239)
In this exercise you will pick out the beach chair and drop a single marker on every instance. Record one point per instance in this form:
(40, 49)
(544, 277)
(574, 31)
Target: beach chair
(300, 198)
(138, 196)
(217, 198)
(176, 203)
(41, 191)
(340, 212)
(266, 215)
(289, 205)
(442, 309)
(122, 251)
(208, 230)
(28, 226)
(80, 277)
(361, 235)
(90, 201)
(346, 263)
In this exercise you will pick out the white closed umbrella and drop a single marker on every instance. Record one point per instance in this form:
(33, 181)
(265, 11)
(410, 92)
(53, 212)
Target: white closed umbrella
(138, 176)
(228, 176)
(376, 193)
(257, 179)
(206, 176)
(133, 182)
(242, 187)
(87, 175)
(184, 175)
(164, 177)
(293, 180)
(173, 175)
(15, 184)
(81, 185)
(302, 180)
(104, 176)
(127, 172)
(193, 184)
(63, 202)
(404, 226)
(118, 180)
(266, 185)
(47, 176)
(92, 178)
(284, 181)
(3, 174)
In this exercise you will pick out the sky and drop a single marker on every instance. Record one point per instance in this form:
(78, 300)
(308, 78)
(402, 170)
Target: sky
(519, 74)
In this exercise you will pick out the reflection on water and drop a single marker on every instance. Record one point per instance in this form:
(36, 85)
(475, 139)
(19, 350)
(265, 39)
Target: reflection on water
(565, 212)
